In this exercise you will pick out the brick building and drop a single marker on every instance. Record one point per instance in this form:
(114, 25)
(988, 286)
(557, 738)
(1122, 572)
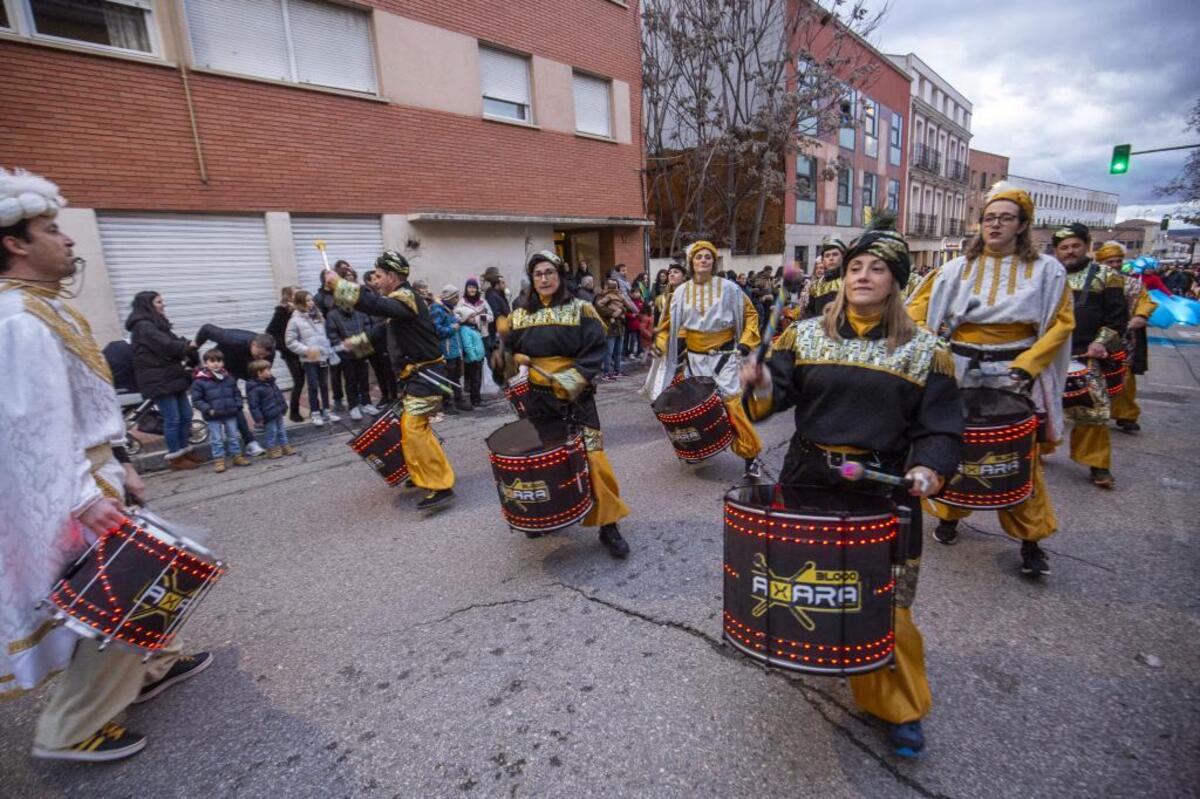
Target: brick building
(204, 144)
(987, 169)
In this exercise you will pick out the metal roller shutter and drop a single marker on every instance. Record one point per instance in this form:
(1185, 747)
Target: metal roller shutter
(358, 240)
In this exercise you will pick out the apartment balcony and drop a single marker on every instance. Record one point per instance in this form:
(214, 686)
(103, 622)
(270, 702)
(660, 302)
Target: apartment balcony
(955, 229)
(922, 226)
(957, 171)
(926, 158)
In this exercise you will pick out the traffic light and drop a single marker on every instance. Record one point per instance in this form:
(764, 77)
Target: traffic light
(1165, 224)
(1120, 159)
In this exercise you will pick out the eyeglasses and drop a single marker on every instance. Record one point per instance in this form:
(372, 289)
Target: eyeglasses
(545, 273)
(1003, 219)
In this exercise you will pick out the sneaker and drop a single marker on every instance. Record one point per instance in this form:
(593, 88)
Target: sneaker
(371, 410)
(317, 421)
(241, 460)
(339, 406)
(111, 742)
(186, 667)
(1102, 478)
(611, 538)
(219, 465)
(254, 449)
(288, 449)
(356, 414)
(274, 453)
(907, 740)
(436, 499)
(1033, 559)
(330, 417)
(182, 463)
(1128, 426)
(753, 469)
(946, 533)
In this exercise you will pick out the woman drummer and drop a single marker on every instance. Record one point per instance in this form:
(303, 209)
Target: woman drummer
(869, 386)
(561, 340)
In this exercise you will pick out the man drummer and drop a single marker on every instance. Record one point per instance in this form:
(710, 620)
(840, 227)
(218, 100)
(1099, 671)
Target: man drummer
(59, 413)
(869, 386)
(1008, 314)
(1125, 410)
(561, 339)
(1101, 316)
(716, 322)
(825, 286)
(416, 353)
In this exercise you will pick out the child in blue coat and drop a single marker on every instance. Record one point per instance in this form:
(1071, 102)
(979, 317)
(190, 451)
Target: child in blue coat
(215, 394)
(267, 406)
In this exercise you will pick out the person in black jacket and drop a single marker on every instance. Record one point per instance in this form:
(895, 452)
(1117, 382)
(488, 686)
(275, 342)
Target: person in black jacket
(341, 324)
(276, 330)
(381, 364)
(158, 366)
(240, 347)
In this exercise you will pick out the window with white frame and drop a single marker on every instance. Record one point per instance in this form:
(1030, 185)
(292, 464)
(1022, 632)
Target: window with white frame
(298, 41)
(848, 113)
(126, 25)
(895, 137)
(893, 196)
(806, 190)
(870, 128)
(593, 105)
(868, 190)
(845, 188)
(504, 79)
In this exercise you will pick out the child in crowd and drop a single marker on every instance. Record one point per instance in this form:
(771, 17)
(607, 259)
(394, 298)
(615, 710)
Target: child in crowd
(267, 406)
(215, 394)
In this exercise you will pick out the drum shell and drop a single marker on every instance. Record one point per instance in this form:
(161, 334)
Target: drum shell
(810, 590)
(1075, 390)
(999, 440)
(516, 392)
(542, 488)
(695, 419)
(381, 446)
(1115, 368)
(138, 573)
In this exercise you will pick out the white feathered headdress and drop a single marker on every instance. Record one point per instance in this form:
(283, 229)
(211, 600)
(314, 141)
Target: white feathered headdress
(24, 195)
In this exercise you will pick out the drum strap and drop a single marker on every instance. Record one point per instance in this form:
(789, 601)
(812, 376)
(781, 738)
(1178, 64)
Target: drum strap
(1081, 300)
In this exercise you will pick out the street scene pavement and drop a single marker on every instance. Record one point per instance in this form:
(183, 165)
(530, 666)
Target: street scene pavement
(365, 650)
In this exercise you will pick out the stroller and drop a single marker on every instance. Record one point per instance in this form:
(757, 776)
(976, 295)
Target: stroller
(139, 413)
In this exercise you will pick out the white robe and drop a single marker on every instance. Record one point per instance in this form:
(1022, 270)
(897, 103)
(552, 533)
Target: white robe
(717, 305)
(54, 406)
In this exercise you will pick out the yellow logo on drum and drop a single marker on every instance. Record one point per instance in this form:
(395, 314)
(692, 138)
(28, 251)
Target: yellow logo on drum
(521, 492)
(990, 467)
(684, 435)
(164, 598)
(810, 590)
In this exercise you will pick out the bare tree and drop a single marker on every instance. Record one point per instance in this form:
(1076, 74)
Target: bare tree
(1185, 187)
(732, 89)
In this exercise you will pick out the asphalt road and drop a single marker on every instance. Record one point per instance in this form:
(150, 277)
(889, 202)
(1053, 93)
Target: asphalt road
(363, 650)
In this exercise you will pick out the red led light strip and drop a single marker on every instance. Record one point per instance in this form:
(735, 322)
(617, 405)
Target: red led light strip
(692, 413)
(999, 435)
(729, 570)
(749, 631)
(701, 454)
(817, 660)
(541, 522)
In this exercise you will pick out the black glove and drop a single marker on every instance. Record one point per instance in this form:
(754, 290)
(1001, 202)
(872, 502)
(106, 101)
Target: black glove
(1022, 378)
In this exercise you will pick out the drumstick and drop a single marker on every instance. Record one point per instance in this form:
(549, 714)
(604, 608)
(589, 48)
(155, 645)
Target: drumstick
(852, 471)
(776, 313)
(320, 245)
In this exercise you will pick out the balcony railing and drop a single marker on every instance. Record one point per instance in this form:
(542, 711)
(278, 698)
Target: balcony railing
(927, 158)
(954, 229)
(957, 170)
(922, 225)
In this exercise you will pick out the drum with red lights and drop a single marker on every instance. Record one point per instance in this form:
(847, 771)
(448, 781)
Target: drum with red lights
(808, 577)
(516, 391)
(542, 479)
(1114, 368)
(380, 445)
(999, 437)
(136, 585)
(1075, 392)
(695, 419)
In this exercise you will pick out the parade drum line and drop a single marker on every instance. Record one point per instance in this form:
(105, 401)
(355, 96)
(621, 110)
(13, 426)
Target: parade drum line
(516, 391)
(1075, 391)
(695, 419)
(999, 437)
(809, 585)
(136, 585)
(380, 445)
(543, 483)
(1115, 367)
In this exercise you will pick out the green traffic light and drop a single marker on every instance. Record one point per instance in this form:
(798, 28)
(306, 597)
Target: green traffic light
(1120, 159)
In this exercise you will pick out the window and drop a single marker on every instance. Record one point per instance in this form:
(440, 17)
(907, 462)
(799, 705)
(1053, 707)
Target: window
(895, 138)
(593, 108)
(806, 191)
(122, 24)
(845, 187)
(868, 190)
(298, 41)
(800, 256)
(893, 196)
(847, 122)
(505, 79)
(870, 128)
(4, 17)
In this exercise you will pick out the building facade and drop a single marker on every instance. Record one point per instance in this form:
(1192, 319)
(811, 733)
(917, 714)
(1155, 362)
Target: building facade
(987, 169)
(867, 159)
(938, 170)
(1058, 204)
(204, 145)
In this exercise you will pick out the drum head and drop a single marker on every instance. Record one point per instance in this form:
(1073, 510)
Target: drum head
(684, 395)
(156, 526)
(995, 405)
(815, 500)
(523, 438)
(1076, 367)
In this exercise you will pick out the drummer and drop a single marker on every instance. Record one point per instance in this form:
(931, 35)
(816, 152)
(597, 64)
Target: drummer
(561, 339)
(716, 322)
(824, 287)
(1008, 313)
(416, 353)
(1125, 410)
(868, 385)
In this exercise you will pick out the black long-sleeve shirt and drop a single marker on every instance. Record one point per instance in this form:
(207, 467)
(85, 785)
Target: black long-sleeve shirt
(410, 334)
(1101, 311)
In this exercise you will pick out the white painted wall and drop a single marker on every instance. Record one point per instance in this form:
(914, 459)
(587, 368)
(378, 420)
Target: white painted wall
(450, 252)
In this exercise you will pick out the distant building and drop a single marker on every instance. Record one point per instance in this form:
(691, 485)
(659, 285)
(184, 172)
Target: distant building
(1058, 204)
(987, 169)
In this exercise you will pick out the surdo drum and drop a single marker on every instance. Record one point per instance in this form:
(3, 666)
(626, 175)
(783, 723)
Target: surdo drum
(695, 419)
(380, 445)
(1114, 368)
(543, 482)
(1075, 392)
(136, 585)
(808, 577)
(996, 470)
(516, 391)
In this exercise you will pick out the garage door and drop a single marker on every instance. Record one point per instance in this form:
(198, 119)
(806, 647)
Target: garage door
(358, 240)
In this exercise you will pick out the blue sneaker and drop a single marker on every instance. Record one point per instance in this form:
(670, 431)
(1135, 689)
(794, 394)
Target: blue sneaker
(907, 739)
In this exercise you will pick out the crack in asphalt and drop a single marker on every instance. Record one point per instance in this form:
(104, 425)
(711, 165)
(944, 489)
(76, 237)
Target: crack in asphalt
(807, 692)
(478, 606)
(1054, 552)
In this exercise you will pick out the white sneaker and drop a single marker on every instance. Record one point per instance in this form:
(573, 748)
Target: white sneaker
(372, 409)
(317, 421)
(329, 417)
(254, 448)
(356, 414)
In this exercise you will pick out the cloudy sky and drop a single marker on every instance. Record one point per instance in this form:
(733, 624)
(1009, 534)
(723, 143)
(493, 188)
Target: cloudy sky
(1056, 83)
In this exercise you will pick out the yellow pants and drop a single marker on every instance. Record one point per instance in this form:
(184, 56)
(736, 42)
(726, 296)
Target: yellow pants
(609, 507)
(1091, 445)
(898, 694)
(746, 443)
(95, 688)
(1032, 520)
(1124, 405)
(426, 461)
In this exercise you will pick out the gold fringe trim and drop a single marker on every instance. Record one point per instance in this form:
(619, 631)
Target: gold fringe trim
(943, 361)
(79, 342)
(30, 641)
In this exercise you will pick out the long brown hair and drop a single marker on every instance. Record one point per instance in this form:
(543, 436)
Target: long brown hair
(1025, 251)
(898, 326)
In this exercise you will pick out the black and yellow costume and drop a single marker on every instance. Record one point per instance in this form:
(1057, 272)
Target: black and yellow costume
(822, 292)
(1125, 410)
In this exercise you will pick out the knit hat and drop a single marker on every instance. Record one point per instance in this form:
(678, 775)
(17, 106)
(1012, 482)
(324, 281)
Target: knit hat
(471, 281)
(545, 256)
(393, 261)
(1110, 249)
(1003, 190)
(1075, 230)
(697, 246)
(832, 243)
(883, 241)
(449, 292)
(24, 195)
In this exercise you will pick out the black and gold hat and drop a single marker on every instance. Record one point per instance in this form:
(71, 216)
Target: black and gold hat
(393, 261)
(545, 256)
(1075, 230)
(884, 242)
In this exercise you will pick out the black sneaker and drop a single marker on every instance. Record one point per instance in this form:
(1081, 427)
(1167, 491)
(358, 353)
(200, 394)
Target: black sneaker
(753, 469)
(111, 742)
(1102, 478)
(946, 533)
(610, 536)
(187, 666)
(1033, 559)
(907, 740)
(1128, 426)
(295, 417)
(435, 499)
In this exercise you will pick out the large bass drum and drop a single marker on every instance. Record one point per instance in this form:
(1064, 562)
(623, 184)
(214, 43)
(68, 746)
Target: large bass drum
(695, 419)
(999, 438)
(808, 577)
(543, 483)
(381, 446)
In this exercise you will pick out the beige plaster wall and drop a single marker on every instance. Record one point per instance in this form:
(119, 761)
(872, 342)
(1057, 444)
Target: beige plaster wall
(426, 66)
(282, 252)
(450, 252)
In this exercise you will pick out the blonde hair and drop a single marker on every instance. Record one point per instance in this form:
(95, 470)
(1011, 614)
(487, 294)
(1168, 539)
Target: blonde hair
(898, 326)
